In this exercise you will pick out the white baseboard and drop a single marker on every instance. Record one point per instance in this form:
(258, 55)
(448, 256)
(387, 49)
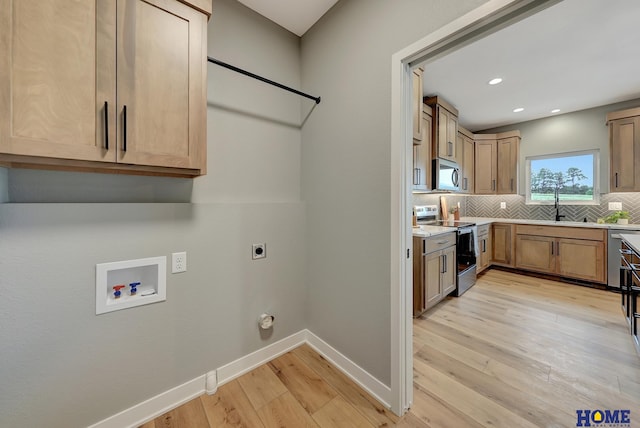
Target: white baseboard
(168, 400)
(364, 379)
(155, 406)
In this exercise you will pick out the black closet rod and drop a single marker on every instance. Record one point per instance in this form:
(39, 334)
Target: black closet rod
(263, 79)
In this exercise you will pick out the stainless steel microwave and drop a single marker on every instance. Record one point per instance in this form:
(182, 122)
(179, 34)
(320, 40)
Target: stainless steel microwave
(445, 175)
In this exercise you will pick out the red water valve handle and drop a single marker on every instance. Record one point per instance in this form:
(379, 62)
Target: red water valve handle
(117, 291)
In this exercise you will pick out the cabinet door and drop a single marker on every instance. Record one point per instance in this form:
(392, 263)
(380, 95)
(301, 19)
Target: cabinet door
(417, 105)
(507, 166)
(536, 253)
(624, 135)
(485, 167)
(422, 156)
(502, 244)
(468, 167)
(452, 134)
(449, 275)
(581, 259)
(57, 70)
(445, 138)
(484, 243)
(161, 84)
(433, 268)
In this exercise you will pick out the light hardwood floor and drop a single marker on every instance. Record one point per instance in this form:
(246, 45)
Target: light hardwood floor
(514, 351)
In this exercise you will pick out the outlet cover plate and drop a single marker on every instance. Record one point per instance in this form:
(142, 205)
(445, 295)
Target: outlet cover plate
(503, 205)
(179, 262)
(258, 251)
(615, 206)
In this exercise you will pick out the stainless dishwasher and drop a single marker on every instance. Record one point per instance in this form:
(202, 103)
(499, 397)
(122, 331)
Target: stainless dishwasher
(613, 254)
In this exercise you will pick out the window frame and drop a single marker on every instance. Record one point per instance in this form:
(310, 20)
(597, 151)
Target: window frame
(596, 177)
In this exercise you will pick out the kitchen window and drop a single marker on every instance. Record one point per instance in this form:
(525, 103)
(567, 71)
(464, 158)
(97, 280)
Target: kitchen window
(574, 176)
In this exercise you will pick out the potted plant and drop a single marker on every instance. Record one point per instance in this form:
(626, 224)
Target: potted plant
(620, 217)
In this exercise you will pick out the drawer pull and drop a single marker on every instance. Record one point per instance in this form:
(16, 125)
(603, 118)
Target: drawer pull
(442, 242)
(124, 128)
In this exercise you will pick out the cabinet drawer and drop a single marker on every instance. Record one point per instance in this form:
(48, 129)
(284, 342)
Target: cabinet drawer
(483, 230)
(562, 232)
(438, 242)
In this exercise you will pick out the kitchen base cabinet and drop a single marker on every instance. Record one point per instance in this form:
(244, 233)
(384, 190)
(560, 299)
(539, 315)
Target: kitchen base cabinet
(576, 253)
(434, 270)
(502, 244)
(485, 247)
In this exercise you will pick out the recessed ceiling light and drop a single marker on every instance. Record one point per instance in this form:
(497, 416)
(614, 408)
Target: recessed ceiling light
(495, 81)
(518, 110)
(555, 110)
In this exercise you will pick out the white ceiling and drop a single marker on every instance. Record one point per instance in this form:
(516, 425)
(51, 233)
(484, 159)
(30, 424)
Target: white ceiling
(296, 16)
(574, 55)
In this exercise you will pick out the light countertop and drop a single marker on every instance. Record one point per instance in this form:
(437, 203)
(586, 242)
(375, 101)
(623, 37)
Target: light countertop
(427, 230)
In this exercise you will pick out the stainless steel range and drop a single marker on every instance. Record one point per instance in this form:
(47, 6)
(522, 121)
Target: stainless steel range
(466, 244)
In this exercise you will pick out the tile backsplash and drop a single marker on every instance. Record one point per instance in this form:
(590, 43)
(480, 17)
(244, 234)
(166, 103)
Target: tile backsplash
(489, 206)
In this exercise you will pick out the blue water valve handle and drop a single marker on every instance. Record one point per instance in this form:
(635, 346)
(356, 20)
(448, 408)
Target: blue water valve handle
(134, 288)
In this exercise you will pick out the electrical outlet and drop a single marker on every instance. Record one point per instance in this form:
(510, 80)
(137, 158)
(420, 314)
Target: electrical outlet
(179, 262)
(615, 206)
(503, 205)
(259, 251)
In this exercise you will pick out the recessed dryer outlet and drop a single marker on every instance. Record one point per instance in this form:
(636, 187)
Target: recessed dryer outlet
(129, 283)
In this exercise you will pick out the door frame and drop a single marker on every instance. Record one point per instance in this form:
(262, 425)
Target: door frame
(480, 22)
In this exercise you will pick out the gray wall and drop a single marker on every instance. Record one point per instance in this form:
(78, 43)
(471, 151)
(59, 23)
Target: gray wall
(63, 366)
(346, 59)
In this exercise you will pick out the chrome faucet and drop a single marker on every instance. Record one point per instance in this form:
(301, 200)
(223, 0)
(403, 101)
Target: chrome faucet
(557, 205)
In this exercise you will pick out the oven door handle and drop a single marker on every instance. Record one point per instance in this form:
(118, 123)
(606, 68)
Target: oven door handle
(464, 231)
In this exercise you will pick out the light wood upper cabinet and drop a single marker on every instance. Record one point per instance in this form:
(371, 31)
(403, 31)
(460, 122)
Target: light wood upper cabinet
(486, 166)
(445, 128)
(422, 154)
(160, 83)
(624, 149)
(416, 103)
(57, 70)
(496, 163)
(68, 68)
(466, 154)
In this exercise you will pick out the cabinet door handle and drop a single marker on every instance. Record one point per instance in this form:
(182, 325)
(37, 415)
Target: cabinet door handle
(124, 128)
(484, 245)
(552, 245)
(616, 180)
(449, 148)
(444, 263)
(493, 184)
(416, 176)
(106, 125)
(511, 184)
(466, 183)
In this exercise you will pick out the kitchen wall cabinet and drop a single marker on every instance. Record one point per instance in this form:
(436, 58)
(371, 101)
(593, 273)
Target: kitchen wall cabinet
(434, 270)
(422, 153)
(445, 128)
(577, 253)
(416, 103)
(87, 85)
(624, 149)
(485, 247)
(466, 154)
(496, 163)
(503, 244)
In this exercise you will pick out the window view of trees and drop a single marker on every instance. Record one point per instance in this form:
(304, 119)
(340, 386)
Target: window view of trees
(572, 176)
